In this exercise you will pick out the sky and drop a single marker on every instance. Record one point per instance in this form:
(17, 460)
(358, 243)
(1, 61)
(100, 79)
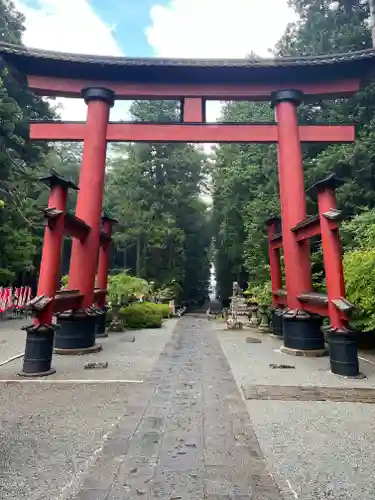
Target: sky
(153, 28)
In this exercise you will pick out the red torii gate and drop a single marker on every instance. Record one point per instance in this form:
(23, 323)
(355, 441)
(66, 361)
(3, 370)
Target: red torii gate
(101, 80)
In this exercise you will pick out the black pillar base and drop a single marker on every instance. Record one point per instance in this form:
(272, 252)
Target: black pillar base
(101, 322)
(343, 355)
(277, 322)
(76, 334)
(38, 351)
(303, 333)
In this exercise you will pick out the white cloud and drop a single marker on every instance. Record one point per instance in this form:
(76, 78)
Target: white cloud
(69, 26)
(217, 29)
(213, 28)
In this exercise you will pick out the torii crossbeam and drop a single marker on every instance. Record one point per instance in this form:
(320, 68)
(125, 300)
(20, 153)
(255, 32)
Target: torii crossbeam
(192, 132)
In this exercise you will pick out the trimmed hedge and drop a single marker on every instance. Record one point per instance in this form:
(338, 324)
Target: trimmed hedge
(162, 309)
(141, 315)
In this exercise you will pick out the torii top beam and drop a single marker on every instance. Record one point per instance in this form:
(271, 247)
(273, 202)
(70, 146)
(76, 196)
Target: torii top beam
(65, 75)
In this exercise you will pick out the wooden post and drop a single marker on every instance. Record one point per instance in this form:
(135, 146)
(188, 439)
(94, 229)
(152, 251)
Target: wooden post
(331, 254)
(292, 195)
(302, 331)
(40, 336)
(91, 184)
(77, 333)
(274, 256)
(372, 17)
(103, 271)
(342, 344)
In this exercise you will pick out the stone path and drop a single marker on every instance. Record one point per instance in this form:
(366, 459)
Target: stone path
(192, 439)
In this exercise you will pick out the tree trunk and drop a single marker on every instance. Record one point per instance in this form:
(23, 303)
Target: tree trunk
(138, 261)
(372, 16)
(125, 258)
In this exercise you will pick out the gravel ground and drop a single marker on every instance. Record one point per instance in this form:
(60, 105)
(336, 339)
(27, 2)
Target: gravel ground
(250, 363)
(126, 360)
(315, 450)
(12, 338)
(51, 433)
(57, 438)
(319, 450)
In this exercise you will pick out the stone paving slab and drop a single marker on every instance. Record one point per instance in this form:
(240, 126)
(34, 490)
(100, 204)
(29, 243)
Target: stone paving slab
(250, 363)
(309, 393)
(195, 439)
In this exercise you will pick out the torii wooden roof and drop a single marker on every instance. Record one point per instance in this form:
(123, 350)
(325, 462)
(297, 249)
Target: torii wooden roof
(328, 68)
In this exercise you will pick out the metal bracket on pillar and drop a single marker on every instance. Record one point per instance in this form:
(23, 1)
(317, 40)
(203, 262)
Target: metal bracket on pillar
(99, 94)
(51, 215)
(288, 95)
(39, 303)
(110, 220)
(274, 221)
(54, 179)
(333, 214)
(107, 225)
(343, 305)
(330, 182)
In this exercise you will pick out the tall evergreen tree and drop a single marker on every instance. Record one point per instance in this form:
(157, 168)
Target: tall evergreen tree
(154, 191)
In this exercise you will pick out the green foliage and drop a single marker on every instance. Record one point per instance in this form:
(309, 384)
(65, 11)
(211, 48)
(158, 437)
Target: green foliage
(153, 190)
(162, 309)
(359, 266)
(261, 294)
(122, 287)
(64, 281)
(245, 184)
(358, 237)
(169, 291)
(244, 195)
(21, 162)
(359, 232)
(141, 315)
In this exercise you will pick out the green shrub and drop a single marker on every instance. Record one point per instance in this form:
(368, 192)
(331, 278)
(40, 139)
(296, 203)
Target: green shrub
(262, 294)
(122, 287)
(359, 271)
(141, 315)
(162, 309)
(165, 310)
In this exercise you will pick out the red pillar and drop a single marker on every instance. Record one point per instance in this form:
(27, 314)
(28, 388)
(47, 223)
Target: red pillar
(331, 252)
(292, 195)
(51, 254)
(274, 256)
(104, 257)
(40, 335)
(91, 184)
